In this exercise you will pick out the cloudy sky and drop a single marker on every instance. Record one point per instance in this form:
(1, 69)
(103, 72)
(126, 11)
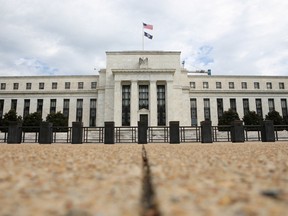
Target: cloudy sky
(67, 37)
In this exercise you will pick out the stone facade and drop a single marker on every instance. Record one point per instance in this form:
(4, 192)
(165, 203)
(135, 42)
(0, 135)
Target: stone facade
(151, 85)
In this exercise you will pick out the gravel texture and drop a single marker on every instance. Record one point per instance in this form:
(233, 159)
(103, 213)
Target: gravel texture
(221, 179)
(100, 180)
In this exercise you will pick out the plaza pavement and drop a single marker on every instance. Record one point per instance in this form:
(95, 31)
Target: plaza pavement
(187, 179)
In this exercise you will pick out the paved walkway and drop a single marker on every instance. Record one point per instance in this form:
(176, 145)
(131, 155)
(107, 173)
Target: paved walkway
(186, 179)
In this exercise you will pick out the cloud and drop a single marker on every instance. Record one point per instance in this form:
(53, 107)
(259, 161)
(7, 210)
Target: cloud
(71, 36)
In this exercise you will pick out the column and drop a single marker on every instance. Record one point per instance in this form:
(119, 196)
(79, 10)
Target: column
(117, 103)
(134, 103)
(171, 100)
(153, 103)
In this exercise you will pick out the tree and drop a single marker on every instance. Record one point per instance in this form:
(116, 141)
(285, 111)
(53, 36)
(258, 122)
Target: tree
(8, 117)
(227, 118)
(58, 120)
(252, 118)
(276, 118)
(32, 122)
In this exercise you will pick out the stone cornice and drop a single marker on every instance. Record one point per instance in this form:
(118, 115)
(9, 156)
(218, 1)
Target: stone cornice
(243, 92)
(117, 71)
(68, 92)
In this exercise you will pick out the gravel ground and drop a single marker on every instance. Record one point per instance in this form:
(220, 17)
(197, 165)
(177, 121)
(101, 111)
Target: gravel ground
(99, 180)
(221, 179)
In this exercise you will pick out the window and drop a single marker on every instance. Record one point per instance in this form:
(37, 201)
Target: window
(1, 108)
(220, 109)
(193, 106)
(161, 105)
(53, 106)
(54, 85)
(40, 106)
(79, 110)
(231, 85)
(256, 85)
(269, 85)
(3, 86)
(15, 86)
(93, 85)
(126, 105)
(205, 85)
(92, 121)
(14, 104)
(233, 104)
(218, 85)
(259, 107)
(80, 85)
(281, 85)
(207, 109)
(284, 109)
(246, 106)
(244, 85)
(41, 85)
(192, 85)
(143, 97)
(271, 104)
(67, 85)
(28, 86)
(26, 107)
(66, 107)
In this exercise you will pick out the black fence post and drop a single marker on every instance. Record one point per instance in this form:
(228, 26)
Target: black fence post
(45, 133)
(77, 133)
(174, 132)
(237, 131)
(206, 132)
(109, 133)
(142, 132)
(267, 131)
(14, 132)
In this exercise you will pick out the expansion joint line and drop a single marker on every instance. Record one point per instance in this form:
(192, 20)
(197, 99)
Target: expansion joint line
(148, 200)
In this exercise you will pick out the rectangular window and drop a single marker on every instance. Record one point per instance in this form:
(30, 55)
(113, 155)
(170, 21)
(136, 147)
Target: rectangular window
(259, 107)
(41, 85)
(93, 85)
(192, 85)
(3, 86)
(161, 105)
(269, 85)
(53, 106)
(143, 97)
(281, 85)
(193, 106)
(15, 86)
(207, 109)
(92, 121)
(80, 85)
(205, 85)
(54, 85)
(284, 109)
(220, 109)
(126, 105)
(271, 104)
(14, 104)
(26, 107)
(1, 108)
(231, 85)
(233, 104)
(28, 86)
(244, 85)
(66, 107)
(256, 85)
(218, 85)
(246, 106)
(79, 110)
(67, 85)
(40, 106)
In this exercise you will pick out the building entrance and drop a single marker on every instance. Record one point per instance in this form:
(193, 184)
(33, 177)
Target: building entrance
(144, 118)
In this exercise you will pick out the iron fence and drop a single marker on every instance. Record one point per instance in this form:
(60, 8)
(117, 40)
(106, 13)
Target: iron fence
(93, 134)
(3, 134)
(190, 134)
(158, 134)
(126, 134)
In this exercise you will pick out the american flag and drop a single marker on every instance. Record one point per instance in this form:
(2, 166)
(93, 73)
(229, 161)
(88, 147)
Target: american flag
(147, 26)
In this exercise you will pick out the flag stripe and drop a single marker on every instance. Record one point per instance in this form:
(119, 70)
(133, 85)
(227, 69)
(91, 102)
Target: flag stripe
(147, 26)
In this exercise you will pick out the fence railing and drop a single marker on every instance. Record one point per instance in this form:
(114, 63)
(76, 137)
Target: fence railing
(159, 134)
